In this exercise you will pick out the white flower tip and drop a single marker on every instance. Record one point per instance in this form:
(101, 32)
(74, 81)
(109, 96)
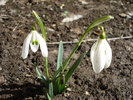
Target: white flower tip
(46, 55)
(24, 56)
(33, 11)
(111, 17)
(44, 52)
(98, 70)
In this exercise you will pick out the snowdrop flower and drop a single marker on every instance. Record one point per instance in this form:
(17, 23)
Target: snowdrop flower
(34, 39)
(101, 54)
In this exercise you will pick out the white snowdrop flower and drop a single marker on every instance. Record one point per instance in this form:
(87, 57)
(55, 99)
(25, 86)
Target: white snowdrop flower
(100, 55)
(34, 39)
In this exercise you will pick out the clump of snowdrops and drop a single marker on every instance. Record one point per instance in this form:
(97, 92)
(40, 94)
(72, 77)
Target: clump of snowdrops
(100, 55)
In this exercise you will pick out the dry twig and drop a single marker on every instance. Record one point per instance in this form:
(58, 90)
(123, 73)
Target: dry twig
(87, 40)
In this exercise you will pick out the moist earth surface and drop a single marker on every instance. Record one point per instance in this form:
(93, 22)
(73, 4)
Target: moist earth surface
(18, 79)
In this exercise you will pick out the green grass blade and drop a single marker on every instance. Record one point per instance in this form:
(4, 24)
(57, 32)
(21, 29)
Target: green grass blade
(51, 90)
(56, 74)
(48, 96)
(62, 88)
(41, 25)
(100, 20)
(74, 66)
(60, 55)
(41, 76)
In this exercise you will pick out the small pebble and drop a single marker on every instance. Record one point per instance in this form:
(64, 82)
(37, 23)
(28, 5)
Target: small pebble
(130, 13)
(0, 68)
(72, 18)
(126, 15)
(69, 89)
(2, 80)
(66, 94)
(87, 93)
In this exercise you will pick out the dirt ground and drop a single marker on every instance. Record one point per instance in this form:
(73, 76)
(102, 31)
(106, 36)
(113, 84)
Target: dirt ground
(18, 80)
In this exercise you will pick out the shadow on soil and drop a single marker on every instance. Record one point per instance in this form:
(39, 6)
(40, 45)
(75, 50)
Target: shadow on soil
(20, 92)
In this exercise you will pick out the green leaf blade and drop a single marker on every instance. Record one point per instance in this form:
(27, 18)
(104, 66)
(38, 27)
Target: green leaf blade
(41, 76)
(51, 90)
(40, 24)
(74, 66)
(60, 55)
(100, 20)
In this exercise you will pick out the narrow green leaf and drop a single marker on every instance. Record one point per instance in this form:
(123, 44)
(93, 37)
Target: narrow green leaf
(61, 88)
(56, 74)
(41, 76)
(60, 55)
(51, 90)
(74, 66)
(100, 20)
(48, 97)
(41, 25)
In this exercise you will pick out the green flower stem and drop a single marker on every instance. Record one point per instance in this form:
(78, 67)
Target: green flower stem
(46, 67)
(93, 25)
(102, 35)
(33, 28)
(76, 47)
(41, 25)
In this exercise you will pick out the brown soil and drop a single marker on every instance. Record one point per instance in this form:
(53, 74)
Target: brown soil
(18, 80)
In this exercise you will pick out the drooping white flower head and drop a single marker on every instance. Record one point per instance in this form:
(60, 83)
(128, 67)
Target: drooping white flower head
(34, 39)
(100, 55)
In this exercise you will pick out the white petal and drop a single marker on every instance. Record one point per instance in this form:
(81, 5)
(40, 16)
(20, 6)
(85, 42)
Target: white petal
(34, 47)
(93, 50)
(98, 56)
(25, 48)
(43, 45)
(108, 55)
